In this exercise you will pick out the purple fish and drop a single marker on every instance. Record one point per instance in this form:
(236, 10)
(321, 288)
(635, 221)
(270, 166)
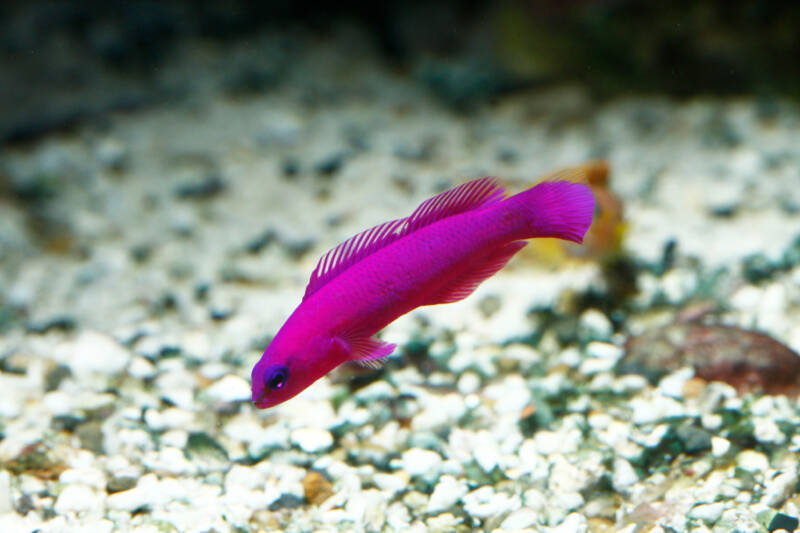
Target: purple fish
(440, 254)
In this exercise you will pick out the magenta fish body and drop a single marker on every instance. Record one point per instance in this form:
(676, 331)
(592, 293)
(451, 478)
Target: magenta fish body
(439, 254)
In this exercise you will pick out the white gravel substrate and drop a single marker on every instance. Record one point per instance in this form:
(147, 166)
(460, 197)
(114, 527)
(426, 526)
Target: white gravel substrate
(135, 416)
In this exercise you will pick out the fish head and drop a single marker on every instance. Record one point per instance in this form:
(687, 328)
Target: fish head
(289, 366)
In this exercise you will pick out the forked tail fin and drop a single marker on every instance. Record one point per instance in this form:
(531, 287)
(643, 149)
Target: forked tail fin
(557, 209)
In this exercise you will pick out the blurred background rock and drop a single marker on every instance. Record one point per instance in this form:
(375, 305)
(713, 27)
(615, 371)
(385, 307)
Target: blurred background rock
(63, 62)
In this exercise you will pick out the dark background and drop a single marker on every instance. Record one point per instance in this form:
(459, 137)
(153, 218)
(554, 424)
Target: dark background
(65, 62)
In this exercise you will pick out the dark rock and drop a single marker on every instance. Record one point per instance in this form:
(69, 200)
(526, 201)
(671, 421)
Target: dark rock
(141, 252)
(259, 242)
(747, 360)
(291, 167)
(286, 501)
(204, 189)
(90, 435)
(331, 164)
(118, 484)
(201, 445)
(251, 80)
(783, 521)
(59, 323)
(67, 422)
(54, 377)
(757, 268)
(693, 439)
(298, 248)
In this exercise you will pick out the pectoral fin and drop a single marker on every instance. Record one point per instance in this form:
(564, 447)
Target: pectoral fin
(368, 351)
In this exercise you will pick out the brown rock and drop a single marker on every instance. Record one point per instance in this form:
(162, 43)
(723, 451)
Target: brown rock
(317, 488)
(748, 360)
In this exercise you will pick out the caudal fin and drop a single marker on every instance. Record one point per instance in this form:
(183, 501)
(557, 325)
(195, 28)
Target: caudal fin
(557, 209)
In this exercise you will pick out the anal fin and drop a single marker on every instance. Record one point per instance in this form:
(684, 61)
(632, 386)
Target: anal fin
(478, 272)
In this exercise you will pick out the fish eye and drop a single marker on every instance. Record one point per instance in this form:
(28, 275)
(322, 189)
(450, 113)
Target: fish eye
(277, 377)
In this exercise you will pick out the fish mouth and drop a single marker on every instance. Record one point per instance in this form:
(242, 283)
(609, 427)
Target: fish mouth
(261, 402)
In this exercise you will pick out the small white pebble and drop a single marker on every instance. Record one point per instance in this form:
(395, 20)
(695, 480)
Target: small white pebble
(446, 494)
(141, 368)
(711, 421)
(230, 388)
(596, 323)
(78, 498)
(707, 512)
(719, 446)
(674, 383)
(767, 431)
(752, 461)
(604, 350)
(419, 462)
(624, 475)
(312, 440)
(468, 383)
(573, 523)
(520, 519)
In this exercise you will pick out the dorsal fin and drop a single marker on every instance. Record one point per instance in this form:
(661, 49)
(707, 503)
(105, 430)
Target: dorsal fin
(351, 251)
(471, 195)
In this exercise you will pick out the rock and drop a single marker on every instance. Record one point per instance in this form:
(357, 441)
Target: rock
(485, 502)
(780, 487)
(419, 462)
(317, 488)
(230, 388)
(594, 326)
(93, 352)
(624, 475)
(312, 440)
(747, 360)
(719, 446)
(693, 438)
(78, 498)
(6, 503)
(447, 492)
(752, 461)
(573, 523)
(520, 519)
(708, 512)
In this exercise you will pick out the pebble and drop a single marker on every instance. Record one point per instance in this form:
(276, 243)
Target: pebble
(78, 497)
(141, 368)
(650, 410)
(485, 502)
(230, 388)
(312, 440)
(779, 487)
(6, 504)
(624, 475)
(510, 396)
(442, 411)
(707, 512)
(765, 430)
(595, 325)
(420, 462)
(520, 519)
(573, 523)
(752, 461)
(447, 492)
(673, 385)
(93, 352)
(468, 383)
(719, 446)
